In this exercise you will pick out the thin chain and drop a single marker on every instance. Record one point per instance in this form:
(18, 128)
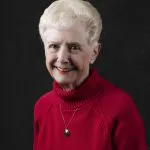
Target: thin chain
(67, 124)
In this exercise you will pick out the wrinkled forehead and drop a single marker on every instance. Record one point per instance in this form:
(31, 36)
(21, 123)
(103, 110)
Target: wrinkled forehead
(75, 33)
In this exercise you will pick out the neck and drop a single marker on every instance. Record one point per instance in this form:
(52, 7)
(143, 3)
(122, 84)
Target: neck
(67, 87)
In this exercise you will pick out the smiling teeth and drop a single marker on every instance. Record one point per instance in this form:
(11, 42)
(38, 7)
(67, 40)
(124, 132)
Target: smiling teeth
(60, 69)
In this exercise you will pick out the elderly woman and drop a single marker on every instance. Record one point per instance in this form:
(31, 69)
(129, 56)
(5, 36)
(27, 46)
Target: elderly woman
(82, 111)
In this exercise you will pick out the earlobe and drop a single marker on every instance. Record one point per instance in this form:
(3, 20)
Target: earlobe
(92, 61)
(96, 51)
(99, 47)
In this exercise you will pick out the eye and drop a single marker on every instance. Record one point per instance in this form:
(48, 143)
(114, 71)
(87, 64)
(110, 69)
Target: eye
(74, 47)
(53, 46)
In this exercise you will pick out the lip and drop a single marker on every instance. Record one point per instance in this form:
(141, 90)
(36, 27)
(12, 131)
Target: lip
(64, 69)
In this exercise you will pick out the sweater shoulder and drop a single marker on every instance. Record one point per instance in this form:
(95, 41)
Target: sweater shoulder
(42, 104)
(115, 100)
(44, 99)
(117, 103)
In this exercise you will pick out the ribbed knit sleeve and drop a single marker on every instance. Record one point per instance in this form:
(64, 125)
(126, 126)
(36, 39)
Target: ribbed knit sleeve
(129, 133)
(41, 108)
(36, 125)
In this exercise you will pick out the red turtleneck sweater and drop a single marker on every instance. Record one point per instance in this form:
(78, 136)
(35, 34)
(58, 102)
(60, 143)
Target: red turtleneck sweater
(105, 118)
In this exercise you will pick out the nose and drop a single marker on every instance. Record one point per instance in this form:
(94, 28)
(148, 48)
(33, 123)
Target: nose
(63, 55)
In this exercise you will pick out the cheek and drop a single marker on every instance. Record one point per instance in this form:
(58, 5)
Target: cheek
(81, 60)
(48, 61)
(48, 66)
(49, 58)
(85, 59)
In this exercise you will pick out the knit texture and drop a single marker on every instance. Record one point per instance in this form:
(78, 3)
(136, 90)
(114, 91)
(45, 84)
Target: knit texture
(106, 119)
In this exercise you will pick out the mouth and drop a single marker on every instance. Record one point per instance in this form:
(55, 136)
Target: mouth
(64, 70)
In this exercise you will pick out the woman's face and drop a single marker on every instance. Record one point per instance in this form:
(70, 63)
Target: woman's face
(68, 55)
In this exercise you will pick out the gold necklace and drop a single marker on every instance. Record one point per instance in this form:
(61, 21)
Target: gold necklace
(66, 124)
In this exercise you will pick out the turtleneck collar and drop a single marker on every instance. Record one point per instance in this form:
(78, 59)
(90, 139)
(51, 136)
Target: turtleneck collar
(91, 87)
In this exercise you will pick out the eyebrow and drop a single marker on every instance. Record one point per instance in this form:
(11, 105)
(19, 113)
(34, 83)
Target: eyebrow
(68, 43)
(74, 43)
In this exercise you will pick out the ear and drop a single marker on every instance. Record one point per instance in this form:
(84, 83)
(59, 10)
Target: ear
(95, 52)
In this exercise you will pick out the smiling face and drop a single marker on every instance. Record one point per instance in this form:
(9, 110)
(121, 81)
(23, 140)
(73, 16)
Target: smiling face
(68, 55)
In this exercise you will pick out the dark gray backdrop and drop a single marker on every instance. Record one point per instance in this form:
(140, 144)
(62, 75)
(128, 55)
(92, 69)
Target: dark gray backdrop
(124, 60)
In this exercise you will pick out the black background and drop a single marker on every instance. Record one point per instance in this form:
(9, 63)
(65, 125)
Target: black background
(124, 61)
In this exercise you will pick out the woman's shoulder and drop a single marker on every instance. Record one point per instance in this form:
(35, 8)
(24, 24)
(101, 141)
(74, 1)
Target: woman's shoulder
(44, 98)
(43, 103)
(116, 102)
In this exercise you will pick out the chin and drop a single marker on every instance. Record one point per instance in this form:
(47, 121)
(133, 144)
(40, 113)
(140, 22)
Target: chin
(63, 81)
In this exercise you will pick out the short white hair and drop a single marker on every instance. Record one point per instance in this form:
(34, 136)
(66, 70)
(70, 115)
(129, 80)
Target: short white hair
(64, 13)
